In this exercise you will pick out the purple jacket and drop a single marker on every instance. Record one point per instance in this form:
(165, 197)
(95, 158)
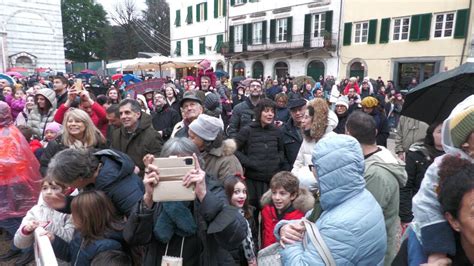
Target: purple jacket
(16, 105)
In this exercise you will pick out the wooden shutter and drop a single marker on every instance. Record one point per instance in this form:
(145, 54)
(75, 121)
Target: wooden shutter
(264, 32)
(244, 37)
(249, 33)
(189, 17)
(224, 7)
(216, 8)
(328, 21)
(415, 28)
(202, 45)
(190, 47)
(178, 48)
(272, 30)
(371, 39)
(462, 20)
(307, 31)
(198, 12)
(205, 11)
(232, 2)
(420, 27)
(289, 24)
(219, 41)
(384, 30)
(231, 39)
(244, 1)
(347, 33)
(177, 21)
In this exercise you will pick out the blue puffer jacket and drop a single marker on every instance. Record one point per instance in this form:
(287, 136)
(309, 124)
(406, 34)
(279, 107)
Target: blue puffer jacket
(352, 223)
(117, 179)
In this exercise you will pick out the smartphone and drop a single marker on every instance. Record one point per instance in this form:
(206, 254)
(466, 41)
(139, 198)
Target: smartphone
(78, 84)
(172, 172)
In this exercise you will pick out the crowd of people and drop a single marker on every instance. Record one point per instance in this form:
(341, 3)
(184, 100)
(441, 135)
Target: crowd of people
(269, 156)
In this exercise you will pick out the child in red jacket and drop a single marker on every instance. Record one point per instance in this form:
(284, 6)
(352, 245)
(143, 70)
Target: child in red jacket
(284, 201)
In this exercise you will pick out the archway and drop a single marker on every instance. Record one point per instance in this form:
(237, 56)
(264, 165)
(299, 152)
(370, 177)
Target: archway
(238, 69)
(281, 69)
(315, 69)
(257, 70)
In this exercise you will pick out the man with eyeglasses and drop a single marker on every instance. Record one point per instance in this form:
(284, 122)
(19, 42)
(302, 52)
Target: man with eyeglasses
(243, 112)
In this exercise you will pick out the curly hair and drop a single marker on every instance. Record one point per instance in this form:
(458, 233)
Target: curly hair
(450, 166)
(318, 109)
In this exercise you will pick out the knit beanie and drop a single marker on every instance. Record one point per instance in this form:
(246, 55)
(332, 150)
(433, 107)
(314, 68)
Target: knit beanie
(53, 126)
(461, 126)
(211, 102)
(369, 102)
(207, 127)
(343, 101)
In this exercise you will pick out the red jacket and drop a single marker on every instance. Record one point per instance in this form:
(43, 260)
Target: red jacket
(348, 86)
(98, 116)
(270, 218)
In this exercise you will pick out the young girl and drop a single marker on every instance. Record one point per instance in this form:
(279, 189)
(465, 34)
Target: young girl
(42, 215)
(236, 191)
(16, 101)
(51, 132)
(98, 229)
(22, 117)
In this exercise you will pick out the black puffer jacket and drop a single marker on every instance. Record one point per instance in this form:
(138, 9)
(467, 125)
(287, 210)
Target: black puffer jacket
(341, 124)
(260, 151)
(242, 115)
(164, 120)
(292, 139)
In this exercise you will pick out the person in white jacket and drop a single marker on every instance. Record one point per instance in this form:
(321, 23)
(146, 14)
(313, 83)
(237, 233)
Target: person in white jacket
(41, 215)
(318, 122)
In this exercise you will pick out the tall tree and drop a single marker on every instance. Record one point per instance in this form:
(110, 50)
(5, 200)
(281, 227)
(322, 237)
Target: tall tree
(157, 22)
(125, 14)
(84, 30)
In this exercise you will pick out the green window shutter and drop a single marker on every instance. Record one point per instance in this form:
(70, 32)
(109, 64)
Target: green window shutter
(415, 28)
(425, 27)
(205, 11)
(244, 1)
(328, 21)
(232, 2)
(264, 32)
(177, 21)
(347, 33)
(371, 38)
(224, 7)
(384, 30)
(202, 45)
(244, 37)
(231, 39)
(189, 17)
(190, 47)
(272, 30)
(220, 40)
(178, 48)
(198, 12)
(216, 8)
(289, 29)
(462, 19)
(307, 31)
(249, 33)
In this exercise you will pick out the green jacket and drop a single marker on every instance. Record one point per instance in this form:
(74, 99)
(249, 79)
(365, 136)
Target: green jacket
(384, 176)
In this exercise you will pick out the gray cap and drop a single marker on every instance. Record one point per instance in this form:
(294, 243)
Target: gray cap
(190, 96)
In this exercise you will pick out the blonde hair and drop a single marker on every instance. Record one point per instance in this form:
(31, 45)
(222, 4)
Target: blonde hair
(92, 135)
(319, 110)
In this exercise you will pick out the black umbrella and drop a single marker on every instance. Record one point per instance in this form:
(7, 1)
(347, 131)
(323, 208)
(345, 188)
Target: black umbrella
(434, 99)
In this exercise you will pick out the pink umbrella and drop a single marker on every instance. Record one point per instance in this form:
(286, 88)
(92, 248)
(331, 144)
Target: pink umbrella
(89, 71)
(14, 74)
(117, 76)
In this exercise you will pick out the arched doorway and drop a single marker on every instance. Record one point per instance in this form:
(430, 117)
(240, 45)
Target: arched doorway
(315, 69)
(257, 70)
(357, 69)
(238, 69)
(220, 66)
(281, 69)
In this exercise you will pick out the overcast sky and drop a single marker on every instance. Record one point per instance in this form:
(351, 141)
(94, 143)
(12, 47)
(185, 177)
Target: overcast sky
(110, 4)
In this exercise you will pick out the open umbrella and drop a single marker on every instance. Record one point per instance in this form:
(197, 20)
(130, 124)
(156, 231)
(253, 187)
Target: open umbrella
(131, 78)
(8, 78)
(117, 76)
(300, 80)
(237, 79)
(14, 74)
(89, 72)
(221, 73)
(153, 84)
(433, 99)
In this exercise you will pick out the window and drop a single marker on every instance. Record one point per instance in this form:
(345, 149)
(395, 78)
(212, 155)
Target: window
(189, 16)
(220, 8)
(202, 45)
(177, 22)
(190, 47)
(238, 35)
(319, 25)
(361, 32)
(239, 2)
(401, 29)
(444, 25)
(282, 30)
(201, 12)
(257, 33)
(178, 48)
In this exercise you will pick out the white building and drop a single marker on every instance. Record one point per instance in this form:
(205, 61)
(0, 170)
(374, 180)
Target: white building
(31, 35)
(197, 29)
(276, 37)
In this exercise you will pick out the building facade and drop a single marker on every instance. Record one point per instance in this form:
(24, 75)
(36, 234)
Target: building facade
(401, 40)
(279, 38)
(197, 31)
(31, 35)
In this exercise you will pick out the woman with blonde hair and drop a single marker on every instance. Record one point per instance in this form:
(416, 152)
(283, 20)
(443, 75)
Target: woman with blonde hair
(79, 132)
(318, 122)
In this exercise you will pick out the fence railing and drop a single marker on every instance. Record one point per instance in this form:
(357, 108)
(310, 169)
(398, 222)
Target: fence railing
(44, 254)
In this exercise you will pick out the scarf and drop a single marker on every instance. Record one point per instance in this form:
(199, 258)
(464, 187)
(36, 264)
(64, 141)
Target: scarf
(175, 218)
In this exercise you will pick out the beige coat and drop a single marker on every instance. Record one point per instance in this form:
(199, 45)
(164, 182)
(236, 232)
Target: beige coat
(408, 132)
(221, 162)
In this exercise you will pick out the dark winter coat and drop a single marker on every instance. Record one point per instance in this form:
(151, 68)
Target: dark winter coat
(292, 139)
(221, 228)
(273, 91)
(418, 158)
(260, 151)
(242, 115)
(145, 140)
(236, 100)
(80, 255)
(341, 124)
(165, 120)
(239, 254)
(381, 123)
(282, 114)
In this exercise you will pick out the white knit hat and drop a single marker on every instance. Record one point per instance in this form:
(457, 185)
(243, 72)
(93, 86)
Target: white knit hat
(206, 127)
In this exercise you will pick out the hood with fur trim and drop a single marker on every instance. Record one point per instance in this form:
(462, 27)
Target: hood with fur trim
(228, 147)
(304, 202)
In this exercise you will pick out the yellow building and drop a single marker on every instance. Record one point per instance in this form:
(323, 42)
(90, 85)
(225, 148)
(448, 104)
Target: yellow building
(403, 39)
